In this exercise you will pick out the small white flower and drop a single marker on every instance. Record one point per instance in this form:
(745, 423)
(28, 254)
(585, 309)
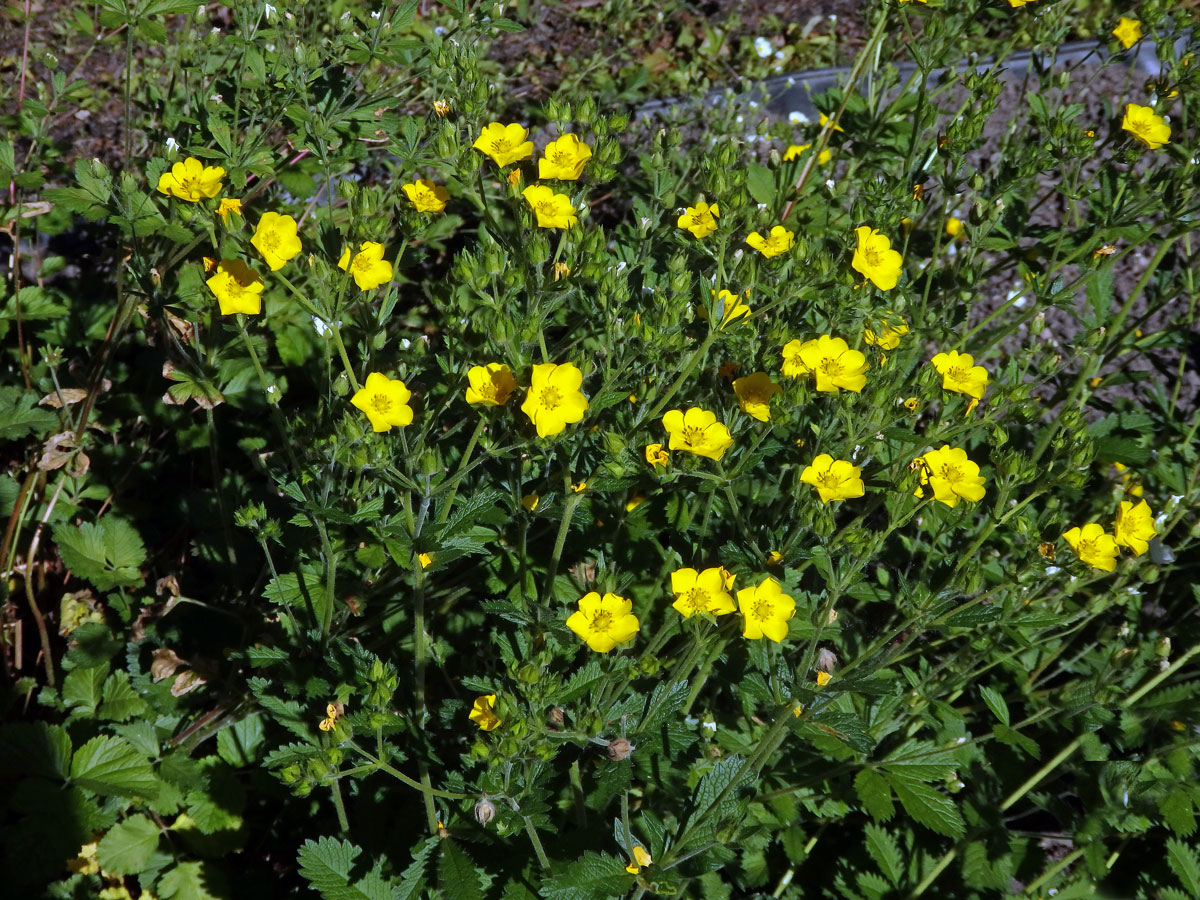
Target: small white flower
(375, 15)
(1052, 570)
(791, 82)
(739, 120)
(439, 30)
(960, 739)
(762, 207)
(270, 48)
(753, 104)
(829, 183)
(763, 47)
(268, 11)
(172, 145)
(709, 725)
(405, 343)
(797, 118)
(779, 54)
(271, 389)
(691, 721)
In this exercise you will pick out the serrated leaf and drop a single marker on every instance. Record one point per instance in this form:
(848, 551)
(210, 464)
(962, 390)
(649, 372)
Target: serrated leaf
(665, 701)
(20, 415)
(412, 879)
(239, 744)
(1178, 811)
(106, 553)
(34, 748)
(995, 702)
(885, 851)
(458, 875)
(118, 700)
(326, 863)
(82, 688)
(111, 765)
(595, 876)
(928, 806)
(716, 788)
(1014, 738)
(128, 846)
(1184, 862)
(187, 881)
(875, 794)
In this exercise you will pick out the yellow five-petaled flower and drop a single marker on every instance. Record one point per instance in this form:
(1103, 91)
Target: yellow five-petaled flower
(832, 362)
(482, 713)
(564, 159)
(657, 456)
(950, 475)
(754, 393)
(700, 220)
(604, 622)
(1093, 545)
(765, 610)
(697, 431)
(1134, 526)
(779, 240)
(960, 374)
(368, 266)
(490, 385)
(1145, 126)
(505, 144)
(385, 402)
(1128, 32)
(426, 196)
(237, 287)
(875, 258)
(834, 479)
(552, 210)
(276, 239)
(554, 399)
(705, 591)
(191, 180)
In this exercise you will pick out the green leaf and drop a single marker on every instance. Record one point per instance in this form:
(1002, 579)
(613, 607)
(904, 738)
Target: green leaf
(760, 182)
(34, 748)
(119, 701)
(595, 876)
(927, 806)
(717, 788)
(995, 702)
(128, 846)
(20, 416)
(412, 879)
(875, 794)
(1178, 811)
(885, 851)
(239, 744)
(458, 876)
(1014, 738)
(111, 765)
(666, 700)
(106, 553)
(1184, 862)
(187, 881)
(82, 688)
(326, 863)
(1100, 292)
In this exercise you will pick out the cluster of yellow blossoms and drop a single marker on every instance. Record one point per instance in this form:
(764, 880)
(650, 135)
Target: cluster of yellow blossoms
(562, 160)
(1133, 528)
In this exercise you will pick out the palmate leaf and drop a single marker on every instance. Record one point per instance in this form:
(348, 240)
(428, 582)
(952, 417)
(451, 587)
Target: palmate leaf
(106, 553)
(20, 416)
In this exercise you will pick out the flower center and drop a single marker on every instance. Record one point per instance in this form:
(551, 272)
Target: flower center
(551, 397)
(762, 610)
(952, 473)
(693, 436)
(831, 366)
(547, 208)
(829, 478)
(1088, 548)
(872, 256)
(559, 158)
(361, 264)
(602, 621)
(697, 598)
(191, 186)
(381, 402)
(501, 145)
(270, 241)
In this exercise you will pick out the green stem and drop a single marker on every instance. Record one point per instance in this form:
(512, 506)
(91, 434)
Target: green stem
(688, 368)
(444, 513)
(411, 782)
(543, 860)
(339, 806)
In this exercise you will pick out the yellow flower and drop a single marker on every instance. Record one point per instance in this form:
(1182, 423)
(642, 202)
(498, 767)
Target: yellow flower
(954, 226)
(85, 863)
(830, 359)
(276, 239)
(822, 119)
(441, 108)
(505, 144)
(561, 270)
(1128, 32)
(1093, 545)
(875, 258)
(774, 558)
(1145, 126)
(579, 488)
(1131, 484)
(701, 591)
(426, 196)
(228, 205)
(780, 240)
(700, 220)
(732, 308)
(834, 479)
(823, 678)
(237, 288)
(368, 267)
(657, 456)
(384, 401)
(333, 712)
(552, 210)
(530, 502)
(912, 404)
(490, 385)
(482, 713)
(697, 431)
(554, 399)
(425, 560)
(603, 622)
(191, 180)
(564, 159)
(960, 374)
(1134, 526)
(754, 393)
(951, 475)
(641, 859)
(795, 150)
(766, 610)
(889, 334)
(1017, 4)
(634, 502)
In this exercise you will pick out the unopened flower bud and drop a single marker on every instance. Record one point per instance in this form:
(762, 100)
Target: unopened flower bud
(485, 811)
(556, 717)
(826, 661)
(619, 749)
